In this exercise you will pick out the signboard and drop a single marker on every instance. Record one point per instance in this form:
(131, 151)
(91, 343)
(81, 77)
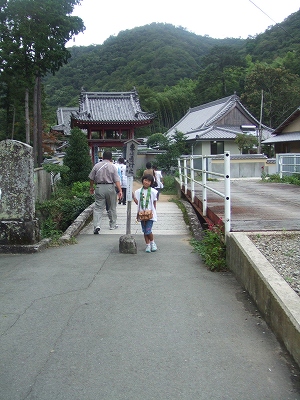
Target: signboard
(129, 189)
(131, 156)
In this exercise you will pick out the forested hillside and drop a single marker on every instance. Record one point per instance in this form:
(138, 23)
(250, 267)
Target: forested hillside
(153, 56)
(276, 41)
(174, 69)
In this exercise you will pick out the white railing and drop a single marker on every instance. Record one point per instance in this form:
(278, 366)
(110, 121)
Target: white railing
(288, 164)
(187, 174)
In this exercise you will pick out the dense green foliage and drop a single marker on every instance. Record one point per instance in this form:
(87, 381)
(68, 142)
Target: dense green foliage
(212, 248)
(150, 56)
(169, 184)
(293, 179)
(63, 208)
(77, 158)
(245, 142)
(173, 70)
(71, 194)
(33, 35)
(176, 146)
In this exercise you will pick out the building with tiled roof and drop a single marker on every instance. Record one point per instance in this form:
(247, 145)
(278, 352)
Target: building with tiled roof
(109, 118)
(286, 137)
(213, 127)
(63, 116)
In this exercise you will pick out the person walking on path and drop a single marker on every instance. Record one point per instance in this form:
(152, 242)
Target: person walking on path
(146, 200)
(105, 176)
(158, 179)
(123, 179)
(149, 169)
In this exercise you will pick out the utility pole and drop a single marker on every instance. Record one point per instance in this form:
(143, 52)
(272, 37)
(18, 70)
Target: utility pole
(260, 119)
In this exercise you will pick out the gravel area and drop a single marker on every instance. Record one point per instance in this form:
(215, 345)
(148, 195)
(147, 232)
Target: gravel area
(283, 252)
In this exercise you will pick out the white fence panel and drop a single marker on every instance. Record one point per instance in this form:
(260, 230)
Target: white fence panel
(188, 174)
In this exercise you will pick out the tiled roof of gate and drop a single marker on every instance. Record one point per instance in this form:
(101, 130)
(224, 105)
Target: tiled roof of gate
(111, 107)
(63, 115)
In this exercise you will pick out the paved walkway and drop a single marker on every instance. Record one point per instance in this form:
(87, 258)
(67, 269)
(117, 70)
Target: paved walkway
(84, 322)
(169, 222)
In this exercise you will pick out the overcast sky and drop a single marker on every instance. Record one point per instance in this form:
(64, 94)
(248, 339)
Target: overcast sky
(215, 18)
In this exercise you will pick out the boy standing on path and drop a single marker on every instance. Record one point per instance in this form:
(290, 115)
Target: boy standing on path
(105, 175)
(146, 200)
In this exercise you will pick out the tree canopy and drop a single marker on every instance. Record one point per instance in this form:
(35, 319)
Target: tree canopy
(33, 35)
(77, 158)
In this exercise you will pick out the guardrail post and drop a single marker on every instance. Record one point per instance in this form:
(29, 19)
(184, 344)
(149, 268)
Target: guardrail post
(227, 200)
(180, 172)
(280, 166)
(185, 176)
(192, 178)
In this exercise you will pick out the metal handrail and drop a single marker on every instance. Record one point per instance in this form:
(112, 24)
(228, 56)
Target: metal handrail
(187, 175)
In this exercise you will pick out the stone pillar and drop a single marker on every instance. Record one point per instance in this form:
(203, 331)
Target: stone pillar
(18, 225)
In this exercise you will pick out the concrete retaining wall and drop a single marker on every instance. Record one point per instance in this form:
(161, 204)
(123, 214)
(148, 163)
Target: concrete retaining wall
(275, 299)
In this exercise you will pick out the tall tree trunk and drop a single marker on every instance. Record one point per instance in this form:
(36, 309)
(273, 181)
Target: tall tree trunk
(13, 123)
(39, 122)
(27, 120)
(35, 129)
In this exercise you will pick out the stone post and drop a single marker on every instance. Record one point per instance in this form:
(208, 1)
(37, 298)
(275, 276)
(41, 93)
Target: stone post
(18, 225)
(127, 244)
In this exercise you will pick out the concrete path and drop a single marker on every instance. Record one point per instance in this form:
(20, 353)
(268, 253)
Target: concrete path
(169, 221)
(84, 322)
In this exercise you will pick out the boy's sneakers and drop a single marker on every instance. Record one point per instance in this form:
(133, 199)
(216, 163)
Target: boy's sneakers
(148, 248)
(113, 227)
(153, 247)
(96, 230)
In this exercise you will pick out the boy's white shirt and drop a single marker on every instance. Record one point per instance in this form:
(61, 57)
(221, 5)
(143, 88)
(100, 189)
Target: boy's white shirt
(158, 176)
(153, 198)
(122, 175)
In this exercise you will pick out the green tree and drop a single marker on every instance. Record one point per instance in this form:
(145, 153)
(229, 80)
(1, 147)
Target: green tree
(245, 142)
(158, 140)
(77, 158)
(177, 146)
(33, 36)
(221, 74)
(55, 170)
(281, 92)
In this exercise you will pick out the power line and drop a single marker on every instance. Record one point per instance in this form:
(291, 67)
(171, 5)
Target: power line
(271, 19)
(263, 12)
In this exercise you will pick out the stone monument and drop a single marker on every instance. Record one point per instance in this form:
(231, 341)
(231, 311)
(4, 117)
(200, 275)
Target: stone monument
(18, 225)
(127, 244)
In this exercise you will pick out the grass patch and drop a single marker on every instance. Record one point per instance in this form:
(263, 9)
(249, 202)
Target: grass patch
(212, 248)
(292, 179)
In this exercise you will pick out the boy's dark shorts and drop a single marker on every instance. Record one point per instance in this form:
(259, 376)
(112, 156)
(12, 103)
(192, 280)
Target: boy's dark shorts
(147, 226)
